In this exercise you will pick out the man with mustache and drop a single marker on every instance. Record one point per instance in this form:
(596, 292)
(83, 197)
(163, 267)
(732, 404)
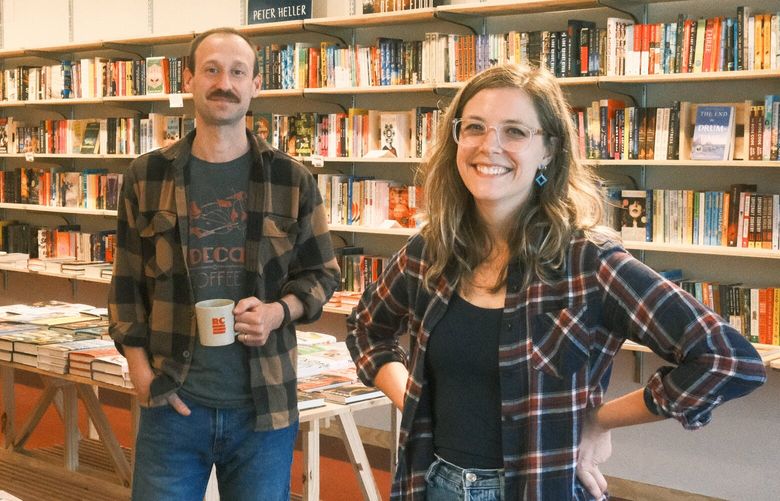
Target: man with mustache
(218, 214)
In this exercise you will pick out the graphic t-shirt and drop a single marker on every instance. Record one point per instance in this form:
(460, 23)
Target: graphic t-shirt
(216, 194)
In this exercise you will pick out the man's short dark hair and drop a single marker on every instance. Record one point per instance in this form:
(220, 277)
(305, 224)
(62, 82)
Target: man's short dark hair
(221, 31)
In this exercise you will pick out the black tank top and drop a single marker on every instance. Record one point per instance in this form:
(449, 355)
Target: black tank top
(462, 367)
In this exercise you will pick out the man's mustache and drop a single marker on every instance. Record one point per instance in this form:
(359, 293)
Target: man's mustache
(224, 94)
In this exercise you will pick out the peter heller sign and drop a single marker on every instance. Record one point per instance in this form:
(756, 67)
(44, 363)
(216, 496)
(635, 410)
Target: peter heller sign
(272, 11)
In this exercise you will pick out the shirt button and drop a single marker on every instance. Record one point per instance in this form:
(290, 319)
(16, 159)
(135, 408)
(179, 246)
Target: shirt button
(185, 354)
(471, 477)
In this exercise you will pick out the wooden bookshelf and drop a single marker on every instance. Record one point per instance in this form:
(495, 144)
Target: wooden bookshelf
(711, 250)
(404, 232)
(80, 278)
(58, 210)
(683, 164)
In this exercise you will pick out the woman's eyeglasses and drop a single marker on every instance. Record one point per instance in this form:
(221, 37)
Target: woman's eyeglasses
(513, 137)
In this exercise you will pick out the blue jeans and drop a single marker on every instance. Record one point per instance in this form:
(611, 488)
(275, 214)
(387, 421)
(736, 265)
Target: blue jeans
(174, 455)
(447, 482)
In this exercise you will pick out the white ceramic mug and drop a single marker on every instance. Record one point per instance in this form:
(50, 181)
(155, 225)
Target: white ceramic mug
(215, 322)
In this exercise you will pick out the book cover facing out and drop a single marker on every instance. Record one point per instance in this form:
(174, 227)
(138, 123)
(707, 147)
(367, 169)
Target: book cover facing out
(713, 134)
(634, 215)
(273, 11)
(155, 75)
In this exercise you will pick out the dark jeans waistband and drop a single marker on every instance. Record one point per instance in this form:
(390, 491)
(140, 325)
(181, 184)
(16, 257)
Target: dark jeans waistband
(468, 477)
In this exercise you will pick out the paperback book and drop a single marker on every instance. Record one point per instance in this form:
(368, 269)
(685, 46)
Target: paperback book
(351, 393)
(309, 401)
(634, 215)
(713, 134)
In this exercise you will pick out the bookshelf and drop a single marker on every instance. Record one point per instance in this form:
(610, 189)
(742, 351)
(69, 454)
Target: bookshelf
(489, 17)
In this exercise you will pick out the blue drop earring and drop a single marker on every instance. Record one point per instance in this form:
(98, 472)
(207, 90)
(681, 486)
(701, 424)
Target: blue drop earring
(541, 179)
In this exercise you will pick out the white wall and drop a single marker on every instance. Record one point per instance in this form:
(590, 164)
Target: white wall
(34, 23)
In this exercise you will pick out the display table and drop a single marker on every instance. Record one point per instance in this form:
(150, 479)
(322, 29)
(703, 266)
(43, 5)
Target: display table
(64, 390)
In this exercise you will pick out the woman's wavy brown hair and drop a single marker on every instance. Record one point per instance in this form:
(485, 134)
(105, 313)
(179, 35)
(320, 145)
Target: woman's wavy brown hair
(456, 239)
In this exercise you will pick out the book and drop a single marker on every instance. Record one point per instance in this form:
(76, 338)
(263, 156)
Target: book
(634, 215)
(309, 401)
(310, 338)
(713, 133)
(155, 75)
(54, 357)
(111, 364)
(29, 341)
(90, 143)
(90, 325)
(113, 379)
(351, 393)
(324, 381)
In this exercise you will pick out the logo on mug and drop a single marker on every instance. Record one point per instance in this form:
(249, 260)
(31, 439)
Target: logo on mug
(218, 325)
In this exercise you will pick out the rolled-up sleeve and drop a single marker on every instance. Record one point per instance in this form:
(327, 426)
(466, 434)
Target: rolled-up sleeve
(378, 321)
(713, 363)
(313, 270)
(127, 299)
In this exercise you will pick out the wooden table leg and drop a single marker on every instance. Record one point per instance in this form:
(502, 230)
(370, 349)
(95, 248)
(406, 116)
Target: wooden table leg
(71, 422)
(8, 415)
(106, 434)
(357, 455)
(395, 428)
(311, 460)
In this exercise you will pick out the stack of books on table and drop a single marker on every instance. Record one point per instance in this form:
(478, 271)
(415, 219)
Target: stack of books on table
(86, 269)
(350, 393)
(327, 380)
(24, 345)
(95, 326)
(309, 400)
(45, 312)
(8, 329)
(319, 358)
(309, 338)
(80, 362)
(13, 260)
(54, 357)
(311, 342)
(111, 369)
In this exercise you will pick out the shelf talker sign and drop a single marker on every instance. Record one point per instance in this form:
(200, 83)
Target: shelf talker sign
(273, 11)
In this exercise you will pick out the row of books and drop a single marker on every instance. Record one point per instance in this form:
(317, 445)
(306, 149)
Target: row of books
(608, 129)
(87, 189)
(378, 6)
(370, 202)
(721, 43)
(358, 133)
(114, 135)
(739, 217)
(755, 312)
(745, 41)
(622, 48)
(94, 77)
(358, 270)
(64, 241)
(763, 125)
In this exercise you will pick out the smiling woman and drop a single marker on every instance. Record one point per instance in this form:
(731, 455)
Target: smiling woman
(516, 302)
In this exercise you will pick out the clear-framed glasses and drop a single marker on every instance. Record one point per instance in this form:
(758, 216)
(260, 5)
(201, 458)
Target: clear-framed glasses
(514, 137)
